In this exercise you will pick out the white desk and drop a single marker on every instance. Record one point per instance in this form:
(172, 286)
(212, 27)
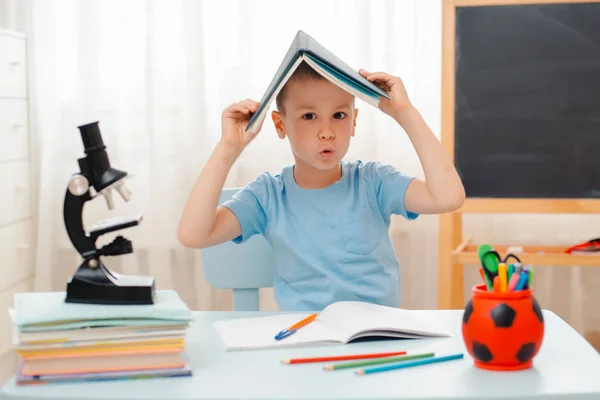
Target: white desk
(567, 367)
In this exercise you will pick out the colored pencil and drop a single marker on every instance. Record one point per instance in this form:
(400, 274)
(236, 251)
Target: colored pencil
(341, 358)
(384, 360)
(409, 364)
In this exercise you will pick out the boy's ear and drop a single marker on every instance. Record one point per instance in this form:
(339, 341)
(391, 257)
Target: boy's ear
(354, 121)
(278, 122)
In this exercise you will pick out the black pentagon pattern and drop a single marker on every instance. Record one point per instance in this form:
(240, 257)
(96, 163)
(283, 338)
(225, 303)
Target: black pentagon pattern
(481, 352)
(468, 312)
(538, 311)
(526, 352)
(503, 316)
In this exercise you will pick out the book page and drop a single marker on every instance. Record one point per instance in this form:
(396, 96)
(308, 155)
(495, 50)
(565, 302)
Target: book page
(259, 332)
(358, 319)
(342, 81)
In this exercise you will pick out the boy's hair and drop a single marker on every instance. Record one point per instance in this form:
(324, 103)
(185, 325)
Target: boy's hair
(304, 71)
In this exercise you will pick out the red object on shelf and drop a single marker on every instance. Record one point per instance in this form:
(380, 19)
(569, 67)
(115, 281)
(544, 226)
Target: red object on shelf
(589, 246)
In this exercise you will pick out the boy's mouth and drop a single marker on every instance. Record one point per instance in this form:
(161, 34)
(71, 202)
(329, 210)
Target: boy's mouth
(327, 153)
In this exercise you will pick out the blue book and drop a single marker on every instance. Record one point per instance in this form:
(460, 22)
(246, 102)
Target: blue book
(40, 310)
(305, 48)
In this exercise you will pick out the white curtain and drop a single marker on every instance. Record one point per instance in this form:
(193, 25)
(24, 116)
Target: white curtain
(157, 74)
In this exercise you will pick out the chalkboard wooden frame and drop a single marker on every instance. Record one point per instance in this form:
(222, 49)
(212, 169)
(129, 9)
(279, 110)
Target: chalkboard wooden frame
(453, 250)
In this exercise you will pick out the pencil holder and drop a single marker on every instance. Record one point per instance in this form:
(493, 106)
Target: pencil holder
(502, 330)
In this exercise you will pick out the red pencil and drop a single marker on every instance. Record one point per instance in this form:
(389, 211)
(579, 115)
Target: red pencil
(341, 358)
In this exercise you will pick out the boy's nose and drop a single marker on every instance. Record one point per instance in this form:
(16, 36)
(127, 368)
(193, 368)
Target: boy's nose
(326, 133)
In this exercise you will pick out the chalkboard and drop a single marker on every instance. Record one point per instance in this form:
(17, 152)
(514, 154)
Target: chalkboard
(527, 100)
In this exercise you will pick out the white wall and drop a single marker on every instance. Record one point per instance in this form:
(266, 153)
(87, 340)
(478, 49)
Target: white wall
(4, 20)
(12, 280)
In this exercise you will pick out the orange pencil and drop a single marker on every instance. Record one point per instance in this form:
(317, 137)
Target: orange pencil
(287, 332)
(341, 358)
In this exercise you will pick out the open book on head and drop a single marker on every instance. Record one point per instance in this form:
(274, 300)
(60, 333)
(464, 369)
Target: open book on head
(339, 323)
(305, 48)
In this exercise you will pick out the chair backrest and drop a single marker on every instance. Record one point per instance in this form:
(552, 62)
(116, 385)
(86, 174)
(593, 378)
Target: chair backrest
(243, 267)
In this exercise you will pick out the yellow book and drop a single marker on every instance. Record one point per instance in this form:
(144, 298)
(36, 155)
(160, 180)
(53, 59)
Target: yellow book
(101, 348)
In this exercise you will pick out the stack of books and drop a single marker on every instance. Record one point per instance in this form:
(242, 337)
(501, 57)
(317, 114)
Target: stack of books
(65, 342)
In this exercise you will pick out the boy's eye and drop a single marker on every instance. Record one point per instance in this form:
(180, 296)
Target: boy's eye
(309, 116)
(339, 115)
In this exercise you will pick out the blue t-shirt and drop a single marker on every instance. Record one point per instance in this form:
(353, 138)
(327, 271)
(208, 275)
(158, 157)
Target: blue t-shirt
(331, 244)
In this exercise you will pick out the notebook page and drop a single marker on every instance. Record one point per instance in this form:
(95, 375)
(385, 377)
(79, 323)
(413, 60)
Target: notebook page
(259, 332)
(350, 319)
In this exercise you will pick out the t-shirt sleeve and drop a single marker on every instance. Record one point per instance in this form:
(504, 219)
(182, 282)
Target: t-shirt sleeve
(390, 188)
(248, 205)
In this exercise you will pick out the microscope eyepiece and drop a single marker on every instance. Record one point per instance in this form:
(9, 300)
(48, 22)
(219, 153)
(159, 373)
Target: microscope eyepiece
(96, 165)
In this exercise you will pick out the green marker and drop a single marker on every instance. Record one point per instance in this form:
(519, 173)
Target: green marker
(511, 269)
(530, 281)
(383, 360)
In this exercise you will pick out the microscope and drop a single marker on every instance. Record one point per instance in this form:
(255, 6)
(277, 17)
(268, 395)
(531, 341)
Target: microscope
(93, 282)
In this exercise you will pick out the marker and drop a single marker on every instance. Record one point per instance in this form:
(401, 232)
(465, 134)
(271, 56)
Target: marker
(502, 277)
(522, 280)
(514, 279)
(530, 280)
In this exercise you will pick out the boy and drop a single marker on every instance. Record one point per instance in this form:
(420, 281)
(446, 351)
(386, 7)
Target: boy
(326, 219)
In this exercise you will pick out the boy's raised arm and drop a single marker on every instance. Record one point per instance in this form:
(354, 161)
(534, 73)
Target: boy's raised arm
(442, 191)
(202, 224)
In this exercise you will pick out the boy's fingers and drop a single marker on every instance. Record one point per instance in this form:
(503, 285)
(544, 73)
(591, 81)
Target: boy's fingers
(379, 75)
(382, 77)
(251, 104)
(236, 111)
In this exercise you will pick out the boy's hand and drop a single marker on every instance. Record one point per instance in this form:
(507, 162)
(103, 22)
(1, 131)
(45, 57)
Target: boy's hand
(234, 120)
(394, 87)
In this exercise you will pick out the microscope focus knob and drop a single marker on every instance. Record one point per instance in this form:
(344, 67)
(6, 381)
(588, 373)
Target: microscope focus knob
(78, 185)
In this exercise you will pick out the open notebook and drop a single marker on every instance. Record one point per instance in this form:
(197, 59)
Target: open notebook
(339, 323)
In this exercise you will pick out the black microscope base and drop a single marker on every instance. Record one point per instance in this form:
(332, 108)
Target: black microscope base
(139, 291)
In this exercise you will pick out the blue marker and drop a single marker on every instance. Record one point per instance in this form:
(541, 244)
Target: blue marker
(523, 278)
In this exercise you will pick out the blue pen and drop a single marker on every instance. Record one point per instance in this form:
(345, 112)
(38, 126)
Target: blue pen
(288, 331)
(284, 333)
(522, 280)
(409, 364)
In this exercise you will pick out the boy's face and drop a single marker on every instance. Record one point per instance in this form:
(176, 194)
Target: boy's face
(319, 121)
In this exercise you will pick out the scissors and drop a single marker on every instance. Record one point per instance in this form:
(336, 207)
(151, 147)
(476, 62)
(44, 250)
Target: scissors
(489, 265)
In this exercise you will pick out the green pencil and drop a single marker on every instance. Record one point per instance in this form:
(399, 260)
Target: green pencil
(376, 361)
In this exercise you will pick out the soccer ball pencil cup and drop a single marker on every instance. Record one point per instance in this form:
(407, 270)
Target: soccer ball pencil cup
(503, 325)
